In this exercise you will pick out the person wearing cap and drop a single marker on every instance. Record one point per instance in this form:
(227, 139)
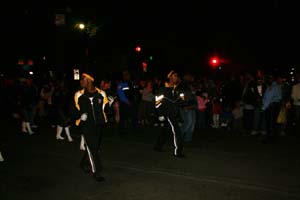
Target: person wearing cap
(128, 101)
(167, 110)
(90, 103)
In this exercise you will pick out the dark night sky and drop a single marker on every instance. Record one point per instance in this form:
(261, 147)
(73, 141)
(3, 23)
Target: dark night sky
(184, 33)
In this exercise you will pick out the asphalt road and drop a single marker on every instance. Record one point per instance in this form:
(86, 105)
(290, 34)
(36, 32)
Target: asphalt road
(219, 165)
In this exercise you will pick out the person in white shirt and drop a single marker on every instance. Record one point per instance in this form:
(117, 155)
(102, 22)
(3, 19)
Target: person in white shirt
(296, 100)
(1, 157)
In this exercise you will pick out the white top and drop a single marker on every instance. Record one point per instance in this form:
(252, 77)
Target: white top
(296, 94)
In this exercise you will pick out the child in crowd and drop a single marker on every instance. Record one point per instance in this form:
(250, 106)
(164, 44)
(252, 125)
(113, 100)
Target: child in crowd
(237, 113)
(216, 112)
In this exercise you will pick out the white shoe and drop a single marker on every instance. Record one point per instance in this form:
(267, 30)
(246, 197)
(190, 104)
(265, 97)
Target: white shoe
(34, 126)
(82, 147)
(28, 127)
(223, 125)
(1, 157)
(67, 130)
(59, 130)
(60, 138)
(254, 133)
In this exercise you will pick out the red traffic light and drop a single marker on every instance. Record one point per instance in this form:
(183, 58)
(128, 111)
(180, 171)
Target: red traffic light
(214, 62)
(138, 49)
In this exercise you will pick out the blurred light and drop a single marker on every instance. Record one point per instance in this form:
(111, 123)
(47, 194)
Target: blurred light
(31, 72)
(138, 49)
(21, 62)
(293, 69)
(292, 73)
(81, 26)
(144, 65)
(220, 68)
(30, 62)
(44, 58)
(60, 19)
(159, 98)
(2, 75)
(214, 62)
(76, 74)
(151, 57)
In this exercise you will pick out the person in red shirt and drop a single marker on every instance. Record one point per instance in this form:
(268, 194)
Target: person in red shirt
(216, 112)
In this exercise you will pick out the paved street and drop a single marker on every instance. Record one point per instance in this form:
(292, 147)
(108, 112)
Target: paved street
(218, 166)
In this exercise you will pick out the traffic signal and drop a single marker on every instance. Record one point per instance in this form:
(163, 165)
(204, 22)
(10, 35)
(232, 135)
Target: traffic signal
(214, 62)
(138, 49)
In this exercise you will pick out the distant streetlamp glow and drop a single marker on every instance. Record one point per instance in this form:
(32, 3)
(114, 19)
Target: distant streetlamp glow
(81, 26)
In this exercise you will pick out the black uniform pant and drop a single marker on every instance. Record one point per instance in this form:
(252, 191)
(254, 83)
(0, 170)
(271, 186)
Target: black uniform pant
(248, 119)
(174, 129)
(271, 115)
(91, 155)
(126, 116)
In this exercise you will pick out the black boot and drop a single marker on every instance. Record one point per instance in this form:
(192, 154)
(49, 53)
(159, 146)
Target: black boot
(158, 148)
(84, 165)
(98, 177)
(180, 155)
(85, 168)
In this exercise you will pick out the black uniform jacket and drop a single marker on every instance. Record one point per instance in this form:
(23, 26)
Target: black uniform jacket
(92, 105)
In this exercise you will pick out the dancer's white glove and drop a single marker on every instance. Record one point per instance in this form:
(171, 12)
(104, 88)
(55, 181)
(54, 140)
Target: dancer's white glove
(110, 100)
(83, 117)
(161, 118)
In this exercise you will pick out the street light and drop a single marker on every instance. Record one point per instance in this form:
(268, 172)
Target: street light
(80, 26)
(138, 49)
